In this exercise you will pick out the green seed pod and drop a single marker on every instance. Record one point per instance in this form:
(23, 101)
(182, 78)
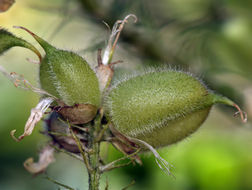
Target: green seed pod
(67, 76)
(160, 107)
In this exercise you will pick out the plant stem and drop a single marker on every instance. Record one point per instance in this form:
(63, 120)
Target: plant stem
(94, 158)
(94, 175)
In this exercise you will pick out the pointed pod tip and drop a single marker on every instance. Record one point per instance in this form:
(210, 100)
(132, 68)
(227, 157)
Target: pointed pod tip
(35, 36)
(242, 113)
(41, 41)
(227, 101)
(23, 28)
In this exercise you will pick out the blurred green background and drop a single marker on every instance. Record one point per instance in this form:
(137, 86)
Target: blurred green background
(210, 38)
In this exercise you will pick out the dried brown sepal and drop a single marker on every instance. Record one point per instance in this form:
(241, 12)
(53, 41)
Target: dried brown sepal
(69, 144)
(113, 38)
(60, 133)
(12, 134)
(46, 157)
(125, 145)
(20, 82)
(104, 72)
(5, 5)
(36, 115)
(79, 113)
(122, 137)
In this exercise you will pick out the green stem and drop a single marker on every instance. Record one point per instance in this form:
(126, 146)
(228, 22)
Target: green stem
(95, 174)
(94, 158)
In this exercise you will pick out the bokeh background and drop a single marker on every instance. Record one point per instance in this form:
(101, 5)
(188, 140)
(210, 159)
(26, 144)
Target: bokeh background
(210, 38)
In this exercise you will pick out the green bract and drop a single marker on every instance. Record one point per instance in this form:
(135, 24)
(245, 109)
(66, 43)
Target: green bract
(160, 107)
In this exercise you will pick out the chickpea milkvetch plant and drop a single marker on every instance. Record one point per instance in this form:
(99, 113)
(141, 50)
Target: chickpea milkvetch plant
(140, 113)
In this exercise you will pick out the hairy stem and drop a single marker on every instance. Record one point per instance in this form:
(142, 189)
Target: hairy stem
(94, 175)
(94, 158)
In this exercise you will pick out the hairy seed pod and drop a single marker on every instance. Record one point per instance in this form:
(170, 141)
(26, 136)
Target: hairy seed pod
(160, 107)
(66, 76)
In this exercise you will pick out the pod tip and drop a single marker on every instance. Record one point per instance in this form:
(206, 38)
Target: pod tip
(35, 36)
(240, 112)
(21, 27)
(227, 101)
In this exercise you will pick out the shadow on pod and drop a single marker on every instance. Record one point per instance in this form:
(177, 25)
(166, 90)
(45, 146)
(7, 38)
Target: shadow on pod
(161, 107)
